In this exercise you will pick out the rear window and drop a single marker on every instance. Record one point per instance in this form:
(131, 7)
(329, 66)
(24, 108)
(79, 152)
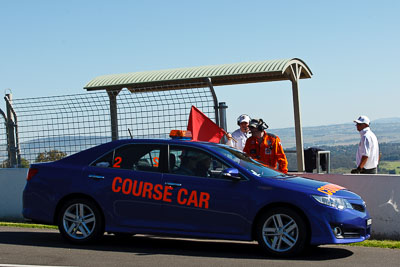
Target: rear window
(140, 157)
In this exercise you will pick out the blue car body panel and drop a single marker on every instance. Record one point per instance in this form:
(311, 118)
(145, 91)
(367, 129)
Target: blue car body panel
(135, 201)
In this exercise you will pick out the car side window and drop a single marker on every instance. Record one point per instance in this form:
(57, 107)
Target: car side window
(194, 162)
(105, 161)
(149, 161)
(139, 157)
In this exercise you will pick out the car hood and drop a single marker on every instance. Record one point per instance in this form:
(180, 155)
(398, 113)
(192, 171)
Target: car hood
(319, 187)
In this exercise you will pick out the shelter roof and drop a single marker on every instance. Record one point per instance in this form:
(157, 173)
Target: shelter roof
(226, 74)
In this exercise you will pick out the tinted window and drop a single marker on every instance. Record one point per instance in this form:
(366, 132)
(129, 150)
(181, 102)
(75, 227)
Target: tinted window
(105, 161)
(140, 157)
(248, 163)
(194, 162)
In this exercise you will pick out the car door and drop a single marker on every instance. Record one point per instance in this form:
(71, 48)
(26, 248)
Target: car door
(122, 182)
(202, 200)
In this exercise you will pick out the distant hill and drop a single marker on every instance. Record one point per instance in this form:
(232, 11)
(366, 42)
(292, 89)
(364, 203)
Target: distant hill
(387, 131)
(67, 144)
(386, 120)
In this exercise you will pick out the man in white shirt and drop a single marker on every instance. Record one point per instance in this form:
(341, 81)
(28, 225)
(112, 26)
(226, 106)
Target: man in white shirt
(367, 157)
(238, 138)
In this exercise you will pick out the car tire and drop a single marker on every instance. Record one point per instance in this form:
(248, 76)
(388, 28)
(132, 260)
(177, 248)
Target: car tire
(281, 232)
(80, 221)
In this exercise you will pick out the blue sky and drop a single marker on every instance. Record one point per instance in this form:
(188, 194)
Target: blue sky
(352, 47)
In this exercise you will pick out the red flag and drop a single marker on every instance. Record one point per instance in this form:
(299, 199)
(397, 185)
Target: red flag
(202, 128)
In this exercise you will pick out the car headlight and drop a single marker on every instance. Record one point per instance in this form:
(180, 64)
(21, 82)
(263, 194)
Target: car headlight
(335, 202)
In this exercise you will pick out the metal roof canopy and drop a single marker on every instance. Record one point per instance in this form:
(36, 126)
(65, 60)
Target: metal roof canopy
(227, 74)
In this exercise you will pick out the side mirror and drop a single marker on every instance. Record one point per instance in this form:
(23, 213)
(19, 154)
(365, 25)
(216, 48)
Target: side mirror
(231, 173)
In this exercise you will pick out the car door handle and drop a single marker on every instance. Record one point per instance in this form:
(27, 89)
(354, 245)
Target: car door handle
(173, 184)
(96, 176)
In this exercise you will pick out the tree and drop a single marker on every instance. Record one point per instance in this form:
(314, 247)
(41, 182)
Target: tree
(51, 155)
(5, 164)
(23, 164)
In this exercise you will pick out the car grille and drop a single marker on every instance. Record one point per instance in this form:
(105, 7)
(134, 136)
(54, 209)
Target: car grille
(351, 233)
(358, 207)
(347, 232)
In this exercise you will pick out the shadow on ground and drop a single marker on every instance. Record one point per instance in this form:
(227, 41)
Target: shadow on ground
(155, 245)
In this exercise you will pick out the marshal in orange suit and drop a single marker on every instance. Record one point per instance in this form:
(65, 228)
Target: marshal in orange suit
(265, 147)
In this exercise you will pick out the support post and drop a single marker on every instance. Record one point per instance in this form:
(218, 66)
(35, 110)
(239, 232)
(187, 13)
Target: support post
(222, 116)
(294, 73)
(208, 80)
(112, 95)
(298, 128)
(12, 148)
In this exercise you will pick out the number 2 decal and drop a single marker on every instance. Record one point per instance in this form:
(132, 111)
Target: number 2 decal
(155, 160)
(118, 161)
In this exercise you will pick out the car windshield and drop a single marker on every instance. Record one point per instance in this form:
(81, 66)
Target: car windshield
(248, 163)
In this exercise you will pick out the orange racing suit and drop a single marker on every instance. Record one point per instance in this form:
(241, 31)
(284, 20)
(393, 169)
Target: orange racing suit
(269, 151)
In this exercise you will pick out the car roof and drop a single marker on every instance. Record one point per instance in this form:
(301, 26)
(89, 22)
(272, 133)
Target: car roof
(166, 141)
(86, 156)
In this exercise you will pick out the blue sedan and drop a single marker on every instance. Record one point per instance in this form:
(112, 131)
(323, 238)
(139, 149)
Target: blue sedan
(191, 189)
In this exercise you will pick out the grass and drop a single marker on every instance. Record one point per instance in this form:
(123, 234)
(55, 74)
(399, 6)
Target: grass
(378, 244)
(390, 165)
(28, 225)
(368, 243)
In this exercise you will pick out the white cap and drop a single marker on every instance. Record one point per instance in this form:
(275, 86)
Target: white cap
(243, 118)
(362, 119)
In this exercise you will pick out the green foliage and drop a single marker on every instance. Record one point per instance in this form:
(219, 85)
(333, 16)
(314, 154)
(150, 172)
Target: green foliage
(6, 164)
(51, 155)
(390, 167)
(390, 151)
(24, 163)
(342, 156)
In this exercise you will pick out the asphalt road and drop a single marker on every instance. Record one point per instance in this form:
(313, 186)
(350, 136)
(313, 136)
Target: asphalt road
(33, 247)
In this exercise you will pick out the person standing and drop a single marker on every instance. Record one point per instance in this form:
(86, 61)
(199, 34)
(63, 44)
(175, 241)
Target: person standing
(238, 138)
(265, 147)
(367, 157)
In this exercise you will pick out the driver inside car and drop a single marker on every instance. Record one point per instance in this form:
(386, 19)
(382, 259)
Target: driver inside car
(194, 164)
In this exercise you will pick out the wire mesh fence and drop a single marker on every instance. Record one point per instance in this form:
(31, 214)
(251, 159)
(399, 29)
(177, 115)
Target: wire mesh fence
(50, 128)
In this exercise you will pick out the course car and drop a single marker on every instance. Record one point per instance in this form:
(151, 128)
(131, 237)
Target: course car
(189, 189)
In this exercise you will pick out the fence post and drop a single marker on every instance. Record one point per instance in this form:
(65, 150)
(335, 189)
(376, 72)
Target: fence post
(12, 149)
(5, 163)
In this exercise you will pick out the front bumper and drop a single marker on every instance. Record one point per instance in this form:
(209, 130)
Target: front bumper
(332, 226)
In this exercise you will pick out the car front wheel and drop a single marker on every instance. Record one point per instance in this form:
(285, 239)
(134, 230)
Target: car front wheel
(282, 232)
(80, 221)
